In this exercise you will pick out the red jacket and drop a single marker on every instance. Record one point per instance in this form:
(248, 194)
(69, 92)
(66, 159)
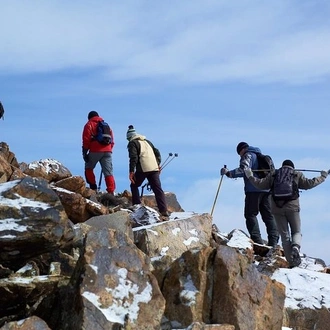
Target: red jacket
(87, 137)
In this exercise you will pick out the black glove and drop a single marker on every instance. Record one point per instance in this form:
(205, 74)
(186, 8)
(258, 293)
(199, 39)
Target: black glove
(85, 154)
(224, 171)
(324, 174)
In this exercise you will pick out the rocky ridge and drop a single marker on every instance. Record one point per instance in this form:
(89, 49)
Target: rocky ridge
(74, 259)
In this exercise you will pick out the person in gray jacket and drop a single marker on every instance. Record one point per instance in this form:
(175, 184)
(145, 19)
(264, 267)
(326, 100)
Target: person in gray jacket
(256, 200)
(287, 213)
(144, 163)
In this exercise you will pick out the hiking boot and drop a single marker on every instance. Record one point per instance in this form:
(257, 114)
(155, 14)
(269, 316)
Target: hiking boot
(272, 244)
(295, 257)
(93, 186)
(163, 219)
(165, 214)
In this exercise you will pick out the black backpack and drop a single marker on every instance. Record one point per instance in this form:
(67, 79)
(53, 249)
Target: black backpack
(2, 111)
(103, 133)
(265, 165)
(284, 187)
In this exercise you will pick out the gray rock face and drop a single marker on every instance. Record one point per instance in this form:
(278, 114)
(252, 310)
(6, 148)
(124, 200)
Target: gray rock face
(32, 221)
(29, 323)
(70, 262)
(244, 297)
(49, 169)
(118, 287)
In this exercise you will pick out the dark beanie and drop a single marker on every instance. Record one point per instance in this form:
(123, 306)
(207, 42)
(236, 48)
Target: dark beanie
(241, 146)
(130, 132)
(92, 114)
(288, 162)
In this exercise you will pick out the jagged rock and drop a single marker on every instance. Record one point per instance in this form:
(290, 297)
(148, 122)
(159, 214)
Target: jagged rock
(48, 169)
(144, 215)
(171, 201)
(74, 184)
(32, 221)
(17, 174)
(113, 202)
(187, 288)
(181, 235)
(8, 155)
(20, 297)
(306, 318)
(66, 259)
(203, 326)
(273, 260)
(5, 272)
(9, 167)
(5, 170)
(118, 288)
(78, 208)
(33, 322)
(29, 270)
(83, 268)
(244, 297)
(119, 221)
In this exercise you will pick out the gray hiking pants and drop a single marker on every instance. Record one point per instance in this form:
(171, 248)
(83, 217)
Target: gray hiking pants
(105, 159)
(289, 227)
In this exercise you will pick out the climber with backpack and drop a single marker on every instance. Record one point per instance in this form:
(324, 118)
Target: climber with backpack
(97, 146)
(144, 163)
(284, 185)
(256, 200)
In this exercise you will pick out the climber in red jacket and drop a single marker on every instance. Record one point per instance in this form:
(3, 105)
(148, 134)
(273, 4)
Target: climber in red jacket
(95, 151)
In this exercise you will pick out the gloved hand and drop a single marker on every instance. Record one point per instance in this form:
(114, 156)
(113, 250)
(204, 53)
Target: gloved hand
(85, 154)
(131, 177)
(324, 173)
(224, 171)
(248, 172)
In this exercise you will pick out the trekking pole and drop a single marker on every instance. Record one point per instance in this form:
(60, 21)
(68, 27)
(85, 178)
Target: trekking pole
(165, 164)
(99, 187)
(216, 196)
(169, 155)
(262, 170)
(142, 188)
(302, 170)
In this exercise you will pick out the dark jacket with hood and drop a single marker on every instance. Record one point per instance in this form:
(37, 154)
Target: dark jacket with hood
(143, 156)
(302, 183)
(249, 159)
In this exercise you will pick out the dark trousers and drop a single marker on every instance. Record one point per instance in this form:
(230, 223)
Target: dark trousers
(289, 226)
(155, 185)
(256, 202)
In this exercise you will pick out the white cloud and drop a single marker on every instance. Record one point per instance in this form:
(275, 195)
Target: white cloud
(191, 42)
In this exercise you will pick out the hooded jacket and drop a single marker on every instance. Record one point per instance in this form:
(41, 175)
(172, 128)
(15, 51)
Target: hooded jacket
(249, 159)
(89, 143)
(143, 156)
(301, 181)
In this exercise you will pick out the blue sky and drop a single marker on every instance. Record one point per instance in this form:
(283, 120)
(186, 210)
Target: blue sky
(195, 77)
